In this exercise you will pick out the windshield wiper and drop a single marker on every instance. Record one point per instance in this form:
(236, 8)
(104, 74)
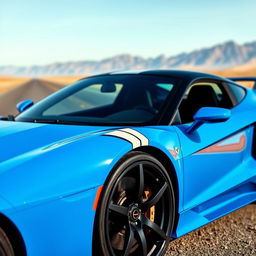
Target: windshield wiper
(8, 118)
(56, 121)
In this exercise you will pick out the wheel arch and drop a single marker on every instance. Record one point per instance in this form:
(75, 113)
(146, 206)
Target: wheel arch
(13, 235)
(151, 151)
(167, 163)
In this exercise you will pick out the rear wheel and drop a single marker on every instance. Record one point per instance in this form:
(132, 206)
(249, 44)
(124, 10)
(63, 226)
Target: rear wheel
(5, 245)
(136, 212)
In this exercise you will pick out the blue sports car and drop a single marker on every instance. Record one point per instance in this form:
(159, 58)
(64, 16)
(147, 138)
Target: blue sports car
(122, 163)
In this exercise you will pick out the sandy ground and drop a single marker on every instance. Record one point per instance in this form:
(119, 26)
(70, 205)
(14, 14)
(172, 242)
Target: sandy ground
(8, 83)
(232, 235)
(62, 79)
(35, 89)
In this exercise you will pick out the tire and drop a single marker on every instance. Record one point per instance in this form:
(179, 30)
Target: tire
(5, 245)
(137, 209)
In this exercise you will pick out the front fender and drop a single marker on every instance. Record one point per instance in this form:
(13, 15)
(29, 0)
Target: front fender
(58, 171)
(4, 205)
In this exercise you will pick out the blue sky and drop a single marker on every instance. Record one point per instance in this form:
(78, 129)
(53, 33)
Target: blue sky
(46, 31)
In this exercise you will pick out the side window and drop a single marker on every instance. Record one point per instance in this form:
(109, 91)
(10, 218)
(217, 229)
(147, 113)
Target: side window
(237, 93)
(203, 95)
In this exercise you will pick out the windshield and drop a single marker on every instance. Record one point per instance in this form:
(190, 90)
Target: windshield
(110, 99)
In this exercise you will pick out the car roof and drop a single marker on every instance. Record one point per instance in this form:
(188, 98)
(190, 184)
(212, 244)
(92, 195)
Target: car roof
(185, 75)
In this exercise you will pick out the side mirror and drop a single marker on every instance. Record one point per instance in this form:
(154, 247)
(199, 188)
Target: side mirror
(23, 105)
(209, 115)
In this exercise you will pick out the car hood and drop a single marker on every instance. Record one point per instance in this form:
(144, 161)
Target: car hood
(17, 138)
(44, 162)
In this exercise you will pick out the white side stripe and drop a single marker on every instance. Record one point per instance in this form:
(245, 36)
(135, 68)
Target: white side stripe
(126, 136)
(143, 139)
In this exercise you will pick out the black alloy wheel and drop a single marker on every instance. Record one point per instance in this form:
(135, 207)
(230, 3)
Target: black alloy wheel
(137, 209)
(5, 245)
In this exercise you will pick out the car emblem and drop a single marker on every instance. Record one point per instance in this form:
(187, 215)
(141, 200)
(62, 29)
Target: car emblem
(176, 149)
(136, 214)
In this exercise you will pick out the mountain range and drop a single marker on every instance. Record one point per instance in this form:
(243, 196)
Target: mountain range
(221, 56)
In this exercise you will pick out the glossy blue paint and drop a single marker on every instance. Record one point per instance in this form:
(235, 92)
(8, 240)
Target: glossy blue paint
(49, 174)
(4, 204)
(51, 178)
(23, 105)
(209, 115)
(217, 183)
(61, 226)
(217, 169)
(212, 115)
(216, 208)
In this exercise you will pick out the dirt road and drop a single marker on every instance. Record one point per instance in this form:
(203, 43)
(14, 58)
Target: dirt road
(34, 89)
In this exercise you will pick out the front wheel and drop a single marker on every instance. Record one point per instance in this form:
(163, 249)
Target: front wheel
(5, 245)
(136, 211)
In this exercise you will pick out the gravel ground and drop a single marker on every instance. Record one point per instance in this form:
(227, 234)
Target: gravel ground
(234, 234)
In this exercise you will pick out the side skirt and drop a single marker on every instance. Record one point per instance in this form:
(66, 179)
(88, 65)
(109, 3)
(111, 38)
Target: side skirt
(216, 208)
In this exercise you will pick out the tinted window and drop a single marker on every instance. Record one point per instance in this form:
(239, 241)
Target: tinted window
(113, 99)
(90, 97)
(207, 94)
(238, 93)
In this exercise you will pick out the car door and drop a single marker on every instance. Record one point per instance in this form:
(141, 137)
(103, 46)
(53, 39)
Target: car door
(213, 153)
